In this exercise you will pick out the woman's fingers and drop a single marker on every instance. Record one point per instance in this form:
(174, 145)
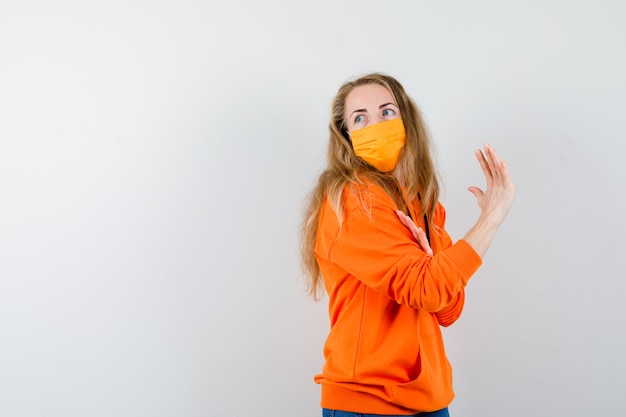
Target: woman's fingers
(404, 219)
(506, 175)
(483, 162)
(484, 165)
(494, 168)
(422, 240)
(499, 168)
(417, 232)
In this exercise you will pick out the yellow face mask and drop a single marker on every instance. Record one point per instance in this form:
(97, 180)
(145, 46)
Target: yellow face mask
(380, 144)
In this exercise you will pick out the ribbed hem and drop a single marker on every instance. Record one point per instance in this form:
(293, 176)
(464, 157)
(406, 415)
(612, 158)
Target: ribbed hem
(465, 258)
(335, 397)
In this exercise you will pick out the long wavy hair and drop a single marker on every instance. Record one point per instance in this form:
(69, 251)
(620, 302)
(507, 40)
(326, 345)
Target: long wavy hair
(420, 178)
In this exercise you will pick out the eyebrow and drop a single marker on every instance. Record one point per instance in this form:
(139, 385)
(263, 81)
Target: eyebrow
(380, 107)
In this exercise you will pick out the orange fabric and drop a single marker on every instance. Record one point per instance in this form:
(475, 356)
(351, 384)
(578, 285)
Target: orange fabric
(387, 299)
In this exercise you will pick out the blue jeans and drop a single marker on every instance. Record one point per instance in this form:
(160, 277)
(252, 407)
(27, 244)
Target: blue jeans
(336, 413)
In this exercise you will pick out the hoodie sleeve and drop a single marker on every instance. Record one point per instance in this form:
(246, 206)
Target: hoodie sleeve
(376, 248)
(449, 314)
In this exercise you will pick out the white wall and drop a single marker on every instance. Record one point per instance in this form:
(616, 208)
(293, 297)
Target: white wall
(155, 156)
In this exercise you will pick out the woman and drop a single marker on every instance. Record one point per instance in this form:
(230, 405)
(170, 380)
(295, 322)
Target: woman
(374, 238)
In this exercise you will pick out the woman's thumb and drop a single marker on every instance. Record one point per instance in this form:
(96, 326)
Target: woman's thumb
(478, 193)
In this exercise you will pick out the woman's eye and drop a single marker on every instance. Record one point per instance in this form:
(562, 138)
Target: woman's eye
(359, 119)
(388, 112)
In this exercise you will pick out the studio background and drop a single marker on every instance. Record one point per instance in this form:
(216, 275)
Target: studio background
(155, 157)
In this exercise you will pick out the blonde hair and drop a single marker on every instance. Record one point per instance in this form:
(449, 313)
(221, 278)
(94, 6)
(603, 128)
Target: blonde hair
(345, 168)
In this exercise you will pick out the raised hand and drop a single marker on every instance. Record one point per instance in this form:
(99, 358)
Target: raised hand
(496, 201)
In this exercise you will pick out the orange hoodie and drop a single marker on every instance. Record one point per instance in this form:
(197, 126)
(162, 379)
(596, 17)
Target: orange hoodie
(387, 298)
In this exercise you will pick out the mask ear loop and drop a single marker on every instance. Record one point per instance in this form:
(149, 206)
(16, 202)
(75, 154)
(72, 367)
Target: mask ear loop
(346, 134)
(342, 128)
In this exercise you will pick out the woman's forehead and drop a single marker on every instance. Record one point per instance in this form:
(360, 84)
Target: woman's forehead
(365, 96)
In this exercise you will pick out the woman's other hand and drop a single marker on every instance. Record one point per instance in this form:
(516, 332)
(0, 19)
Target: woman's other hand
(418, 232)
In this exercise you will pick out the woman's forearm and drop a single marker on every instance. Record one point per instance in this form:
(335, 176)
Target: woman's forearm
(481, 235)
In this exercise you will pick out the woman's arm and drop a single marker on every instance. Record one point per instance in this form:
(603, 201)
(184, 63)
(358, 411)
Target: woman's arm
(494, 203)
(449, 314)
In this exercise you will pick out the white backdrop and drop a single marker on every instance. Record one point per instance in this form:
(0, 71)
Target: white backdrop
(155, 157)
